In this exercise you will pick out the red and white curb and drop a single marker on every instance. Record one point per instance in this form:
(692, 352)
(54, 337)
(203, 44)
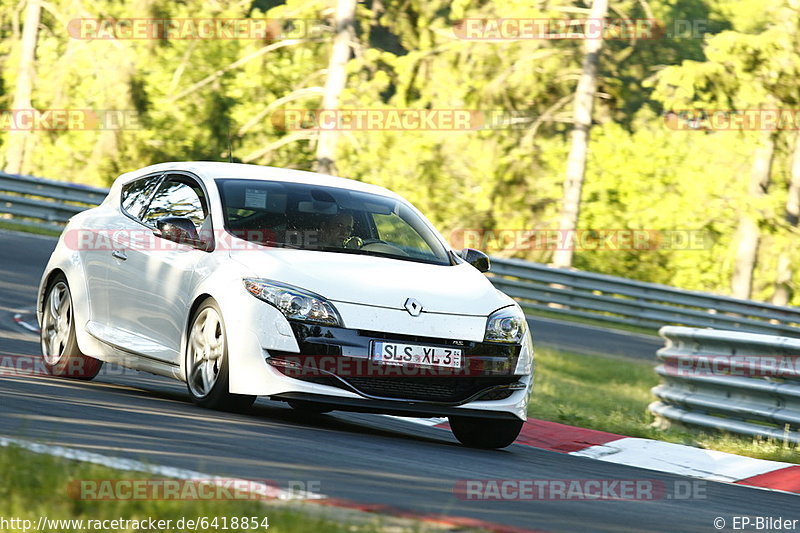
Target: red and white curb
(658, 455)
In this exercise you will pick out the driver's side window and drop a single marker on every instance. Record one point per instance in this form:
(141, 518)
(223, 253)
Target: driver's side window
(178, 196)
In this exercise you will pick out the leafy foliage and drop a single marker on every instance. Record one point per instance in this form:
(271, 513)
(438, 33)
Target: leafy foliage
(193, 98)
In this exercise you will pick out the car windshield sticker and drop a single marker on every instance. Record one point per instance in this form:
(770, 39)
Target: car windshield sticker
(255, 198)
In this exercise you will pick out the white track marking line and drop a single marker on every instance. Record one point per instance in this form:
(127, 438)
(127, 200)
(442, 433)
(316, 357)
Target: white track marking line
(679, 459)
(260, 489)
(18, 319)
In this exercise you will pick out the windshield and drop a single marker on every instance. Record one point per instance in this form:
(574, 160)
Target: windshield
(313, 217)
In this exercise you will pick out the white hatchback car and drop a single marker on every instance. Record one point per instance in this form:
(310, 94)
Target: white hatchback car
(323, 292)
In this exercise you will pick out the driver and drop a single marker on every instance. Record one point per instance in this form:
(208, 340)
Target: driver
(336, 229)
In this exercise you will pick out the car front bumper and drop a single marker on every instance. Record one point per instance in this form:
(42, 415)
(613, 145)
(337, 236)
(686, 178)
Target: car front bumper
(333, 367)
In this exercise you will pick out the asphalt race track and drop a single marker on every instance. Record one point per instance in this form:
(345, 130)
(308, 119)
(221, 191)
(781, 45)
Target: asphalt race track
(364, 458)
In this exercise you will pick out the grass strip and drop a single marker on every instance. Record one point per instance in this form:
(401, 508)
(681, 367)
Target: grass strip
(37, 230)
(38, 485)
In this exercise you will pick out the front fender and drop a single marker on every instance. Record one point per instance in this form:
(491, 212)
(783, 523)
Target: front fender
(252, 326)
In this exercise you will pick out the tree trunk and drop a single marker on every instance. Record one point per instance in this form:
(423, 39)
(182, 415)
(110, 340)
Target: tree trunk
(576, 162)
(783, 282)
(335, 82)
(747, 249)
(15, 151)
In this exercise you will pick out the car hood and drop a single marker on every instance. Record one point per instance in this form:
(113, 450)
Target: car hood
(377, 281)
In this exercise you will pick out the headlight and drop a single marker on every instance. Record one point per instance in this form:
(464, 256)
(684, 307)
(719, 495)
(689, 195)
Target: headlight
(506, 325)
(294, 303)
(525, 361)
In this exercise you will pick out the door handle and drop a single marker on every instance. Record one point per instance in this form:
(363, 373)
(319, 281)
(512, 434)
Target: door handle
(119, 254)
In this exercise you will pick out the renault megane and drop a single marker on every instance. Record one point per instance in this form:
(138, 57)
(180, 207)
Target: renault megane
(323, 292)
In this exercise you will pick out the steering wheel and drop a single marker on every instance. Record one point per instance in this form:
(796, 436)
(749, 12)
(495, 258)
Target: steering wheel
(353, 243)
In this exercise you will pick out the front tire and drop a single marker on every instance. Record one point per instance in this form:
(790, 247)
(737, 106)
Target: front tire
(60, 351)
(207, 372)
(485, 432)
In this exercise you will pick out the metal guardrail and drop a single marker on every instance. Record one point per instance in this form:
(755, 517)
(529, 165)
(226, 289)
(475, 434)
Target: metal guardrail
(728, 380)
(618, 300)
(37, 202)
(573, 294)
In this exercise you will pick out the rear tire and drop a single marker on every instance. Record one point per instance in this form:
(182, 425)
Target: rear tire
(485, 432)
(60, 351)
(207, 372)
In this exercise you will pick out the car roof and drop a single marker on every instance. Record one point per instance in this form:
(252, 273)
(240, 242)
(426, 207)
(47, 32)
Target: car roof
(213, 170)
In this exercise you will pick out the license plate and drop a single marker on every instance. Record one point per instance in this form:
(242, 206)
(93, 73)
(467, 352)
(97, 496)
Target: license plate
(393, 353)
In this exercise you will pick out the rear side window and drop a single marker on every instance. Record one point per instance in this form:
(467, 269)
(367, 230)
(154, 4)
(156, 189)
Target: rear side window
(136, 194)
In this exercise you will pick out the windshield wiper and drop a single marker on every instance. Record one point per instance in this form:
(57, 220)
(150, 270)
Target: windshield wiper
(358, 251)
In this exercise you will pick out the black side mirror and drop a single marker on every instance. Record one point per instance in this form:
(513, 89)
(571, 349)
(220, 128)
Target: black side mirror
(181, 230)
(476, 258)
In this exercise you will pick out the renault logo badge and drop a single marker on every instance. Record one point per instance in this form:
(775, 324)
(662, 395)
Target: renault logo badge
(413, 307)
